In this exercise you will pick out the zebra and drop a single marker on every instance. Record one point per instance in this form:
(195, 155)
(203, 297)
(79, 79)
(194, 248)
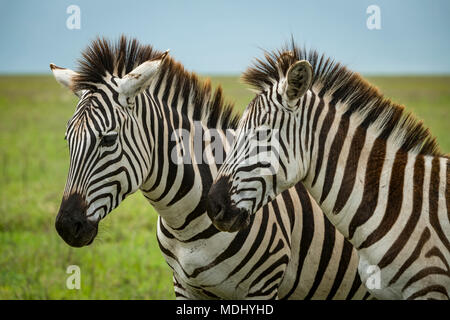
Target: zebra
(376, 171)
(132, 100)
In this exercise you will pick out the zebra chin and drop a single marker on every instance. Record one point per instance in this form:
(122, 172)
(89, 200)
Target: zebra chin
(72, 224)
(223, 214)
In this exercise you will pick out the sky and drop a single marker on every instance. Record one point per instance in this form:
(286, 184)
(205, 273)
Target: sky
(223, 37)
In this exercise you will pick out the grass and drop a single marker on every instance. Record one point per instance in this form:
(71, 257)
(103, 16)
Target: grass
(124, 262)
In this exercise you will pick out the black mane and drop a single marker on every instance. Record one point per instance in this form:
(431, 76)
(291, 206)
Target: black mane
(102, 57)
(334, 79)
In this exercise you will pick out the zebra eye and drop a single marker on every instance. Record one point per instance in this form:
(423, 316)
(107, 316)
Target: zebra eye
(108, 140)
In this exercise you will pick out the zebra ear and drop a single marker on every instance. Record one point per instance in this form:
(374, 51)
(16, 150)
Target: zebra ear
(299, 79)
(64, 76)
(139, 79)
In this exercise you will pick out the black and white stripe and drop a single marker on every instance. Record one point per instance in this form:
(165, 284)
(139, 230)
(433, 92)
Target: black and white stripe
(375, 171)
(118, 146)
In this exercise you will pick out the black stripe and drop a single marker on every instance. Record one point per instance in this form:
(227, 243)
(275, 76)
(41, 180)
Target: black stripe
(325, 256)
(371, 187)
(344, 261)
(407, 231)
(394, 201)
(326, 126)
(333, 157)
(307, 233)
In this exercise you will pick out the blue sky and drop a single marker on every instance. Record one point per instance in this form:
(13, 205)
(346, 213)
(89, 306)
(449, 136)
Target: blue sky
(222, 37)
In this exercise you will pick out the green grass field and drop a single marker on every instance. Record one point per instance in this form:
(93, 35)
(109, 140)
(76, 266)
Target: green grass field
(124, 262)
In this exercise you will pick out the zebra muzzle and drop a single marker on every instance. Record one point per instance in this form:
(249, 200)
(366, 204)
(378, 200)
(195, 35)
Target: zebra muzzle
(230, 220)
(72, 224)
(223, 214)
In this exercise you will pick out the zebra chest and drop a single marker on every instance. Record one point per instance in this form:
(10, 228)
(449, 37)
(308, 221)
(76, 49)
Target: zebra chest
(199, 267)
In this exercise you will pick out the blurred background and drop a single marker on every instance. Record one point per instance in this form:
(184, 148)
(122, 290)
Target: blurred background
(402, 47)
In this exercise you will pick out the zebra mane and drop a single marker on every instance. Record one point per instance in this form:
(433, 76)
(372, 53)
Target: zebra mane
(102, 57)
(334, 80)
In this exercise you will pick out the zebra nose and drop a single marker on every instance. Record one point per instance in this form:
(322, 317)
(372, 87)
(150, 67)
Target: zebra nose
(217, 196)
(215, 209)
(68, 226)
(225, 217)
(72, 224)
(223, 214)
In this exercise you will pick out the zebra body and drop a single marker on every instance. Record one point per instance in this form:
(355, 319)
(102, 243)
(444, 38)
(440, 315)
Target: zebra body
(132, 100)
(375, 171)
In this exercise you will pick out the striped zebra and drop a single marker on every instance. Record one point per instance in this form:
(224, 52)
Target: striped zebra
(133, 102)
(375, 171)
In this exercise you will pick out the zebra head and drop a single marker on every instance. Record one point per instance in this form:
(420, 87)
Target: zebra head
(261, 162)
(103, 136)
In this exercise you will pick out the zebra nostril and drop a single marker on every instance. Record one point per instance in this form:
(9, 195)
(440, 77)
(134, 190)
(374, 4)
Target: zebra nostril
(219, 212)
(72, 222)
(77, 228)
(215, 209)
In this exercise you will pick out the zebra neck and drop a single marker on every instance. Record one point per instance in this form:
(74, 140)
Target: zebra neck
(177, 186)
(356, 176)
